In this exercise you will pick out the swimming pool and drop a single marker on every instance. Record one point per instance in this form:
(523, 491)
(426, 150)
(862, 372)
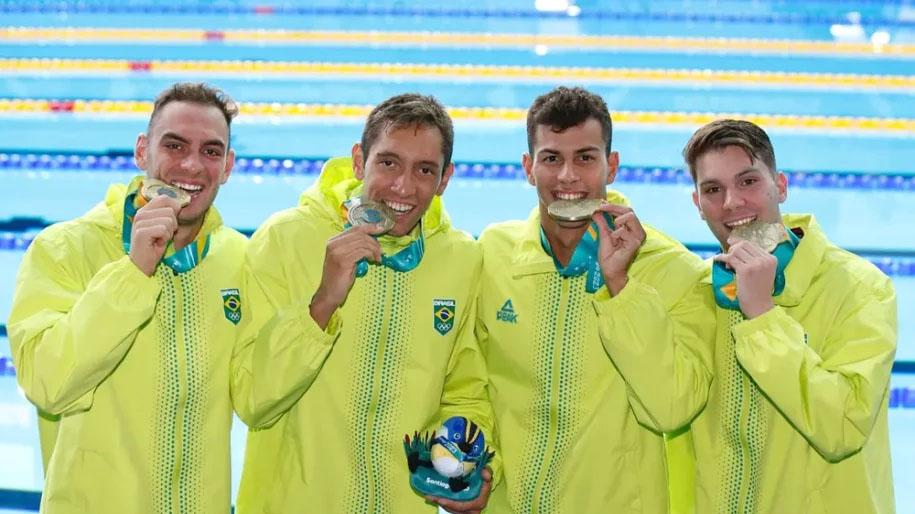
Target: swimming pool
(833, 82)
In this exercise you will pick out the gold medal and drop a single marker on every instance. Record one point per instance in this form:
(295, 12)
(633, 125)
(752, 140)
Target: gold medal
(368, 212)
(573, 210)
(764, 235)
(153, 188)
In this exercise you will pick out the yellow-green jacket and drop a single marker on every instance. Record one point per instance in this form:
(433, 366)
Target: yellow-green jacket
(137, 367)
(582, 384)
(799, 402)
(329, 409)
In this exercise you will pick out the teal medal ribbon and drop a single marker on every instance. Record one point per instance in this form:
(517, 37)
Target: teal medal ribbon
(584, 258)
(179, 261)
(403, 261)
(724, 281)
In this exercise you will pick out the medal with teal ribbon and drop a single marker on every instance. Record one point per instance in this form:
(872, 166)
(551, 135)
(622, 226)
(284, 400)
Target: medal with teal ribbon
(584, 258)
(724, 280)
(403, 260)
(181, 260)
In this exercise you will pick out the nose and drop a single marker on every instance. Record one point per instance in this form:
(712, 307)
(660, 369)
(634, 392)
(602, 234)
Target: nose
(404, 184)
(192, 163)
(732, 199)
(567, 174)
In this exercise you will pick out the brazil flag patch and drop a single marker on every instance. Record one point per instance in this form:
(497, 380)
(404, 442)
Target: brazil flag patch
(231, 305)
(443, 315)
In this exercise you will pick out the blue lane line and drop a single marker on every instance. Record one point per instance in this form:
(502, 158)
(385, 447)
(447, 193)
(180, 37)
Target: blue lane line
(22, 500)
(451, 13)
(848, 180)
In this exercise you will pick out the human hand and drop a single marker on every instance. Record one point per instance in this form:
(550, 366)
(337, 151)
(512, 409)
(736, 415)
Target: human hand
(618, 246)
(755, 271)
(154, 225)
(344, 251)
(474, 506)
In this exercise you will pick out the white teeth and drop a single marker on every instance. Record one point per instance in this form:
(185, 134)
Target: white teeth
(190, 188)
(399, 207)
(570, 196)
(740, 222)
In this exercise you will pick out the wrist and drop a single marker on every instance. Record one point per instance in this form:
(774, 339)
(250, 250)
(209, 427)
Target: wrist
(756, 309)
(616, 283)
(321, 308)
(148, 271)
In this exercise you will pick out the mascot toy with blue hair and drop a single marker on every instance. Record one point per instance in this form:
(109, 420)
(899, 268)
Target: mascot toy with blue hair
(450, 462)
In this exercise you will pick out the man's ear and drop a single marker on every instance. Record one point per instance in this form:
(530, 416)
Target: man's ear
(696, 203)
(446, 176)
(528, 164)
(358, 161)
(139, 151)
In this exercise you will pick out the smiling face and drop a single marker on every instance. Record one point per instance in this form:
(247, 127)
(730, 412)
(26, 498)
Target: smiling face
(734, 188)
(569, 165)
(188, 147)
(404, 170)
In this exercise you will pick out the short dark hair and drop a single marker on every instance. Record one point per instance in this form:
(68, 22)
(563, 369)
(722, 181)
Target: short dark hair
(198, 93)
(566, 107)
(720, 134)
(407, 110)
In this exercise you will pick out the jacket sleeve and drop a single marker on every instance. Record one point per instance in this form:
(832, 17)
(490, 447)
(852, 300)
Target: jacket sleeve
(282, 350)
(663, 350)
(832, 397)
(466, 387)
(67, 336)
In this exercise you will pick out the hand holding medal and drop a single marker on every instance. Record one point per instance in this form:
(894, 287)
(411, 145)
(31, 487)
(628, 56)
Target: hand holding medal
(155, 223)
(344, 253)
(617, 229)
(749, 256)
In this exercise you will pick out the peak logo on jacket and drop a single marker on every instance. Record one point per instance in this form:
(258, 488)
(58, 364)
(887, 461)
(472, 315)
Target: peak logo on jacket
(231, 305)
(507, 312)
(443, 315)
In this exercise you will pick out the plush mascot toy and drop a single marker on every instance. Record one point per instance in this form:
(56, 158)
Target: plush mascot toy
(450, 463)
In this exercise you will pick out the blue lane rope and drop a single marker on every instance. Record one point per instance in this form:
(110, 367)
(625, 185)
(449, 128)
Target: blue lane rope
(448, 12)
(853, 180)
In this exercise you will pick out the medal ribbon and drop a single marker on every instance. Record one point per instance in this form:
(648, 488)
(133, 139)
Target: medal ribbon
(181, 260)
(724, 281)
(584, 258)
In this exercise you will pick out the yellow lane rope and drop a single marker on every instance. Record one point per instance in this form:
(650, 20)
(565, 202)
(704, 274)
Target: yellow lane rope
(292, 111)
(462, 72)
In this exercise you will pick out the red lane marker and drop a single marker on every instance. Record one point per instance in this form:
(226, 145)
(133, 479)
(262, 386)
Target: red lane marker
(140, 65)
(214, 35)
(61, 105)
(263, 9)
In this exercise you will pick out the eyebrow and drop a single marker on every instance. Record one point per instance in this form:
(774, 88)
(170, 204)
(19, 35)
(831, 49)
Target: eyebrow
(394, 155)
(741, 174)
(210, 142)
(586, 149)
(388, 155)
